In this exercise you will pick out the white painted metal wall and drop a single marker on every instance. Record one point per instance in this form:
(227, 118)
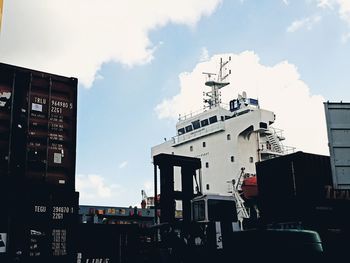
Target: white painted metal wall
(218, 150)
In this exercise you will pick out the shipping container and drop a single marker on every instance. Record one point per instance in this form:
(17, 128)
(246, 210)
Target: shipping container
(107, 243)
(298, 188)
(41, 226)
(37, 126)
(290, 185)
(338, 129)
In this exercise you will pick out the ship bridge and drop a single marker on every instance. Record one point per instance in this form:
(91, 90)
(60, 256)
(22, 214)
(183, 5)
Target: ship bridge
(206, 122)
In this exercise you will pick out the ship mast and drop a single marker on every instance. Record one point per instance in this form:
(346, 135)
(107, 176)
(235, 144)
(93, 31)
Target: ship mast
(212, 98)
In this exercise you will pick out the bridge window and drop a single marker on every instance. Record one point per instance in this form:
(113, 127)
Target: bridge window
(251, 159)
(228, 137)
(191, 148)
(207, 165)
(196, 124)
(204, 144)
(181, 131)
(213, 119)
(204, 122)
(189, 128)
(232, 159)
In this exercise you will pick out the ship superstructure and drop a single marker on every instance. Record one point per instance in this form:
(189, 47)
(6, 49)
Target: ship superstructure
(226, 139)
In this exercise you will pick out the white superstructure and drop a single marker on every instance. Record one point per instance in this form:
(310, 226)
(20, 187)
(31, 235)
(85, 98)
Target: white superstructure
(226, 139)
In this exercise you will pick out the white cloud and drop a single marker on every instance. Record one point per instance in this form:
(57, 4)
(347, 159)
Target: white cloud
(99, 77)
(286, 2)
(279, 89)
(204, 54)
(75, 38)
(343, 7)
(94, 190)
(344, 10)
(123, 164)
(307, 23)
(325, 3)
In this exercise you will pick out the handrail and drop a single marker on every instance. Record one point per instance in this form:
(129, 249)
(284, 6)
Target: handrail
(190, 115)
(277, 132)
(264, 147)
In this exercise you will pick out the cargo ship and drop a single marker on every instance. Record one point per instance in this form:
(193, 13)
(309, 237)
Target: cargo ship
(229, 139)
(274, 187)
(41, 213)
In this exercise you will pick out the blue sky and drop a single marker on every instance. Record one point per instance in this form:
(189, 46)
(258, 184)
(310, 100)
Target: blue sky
(129, 67)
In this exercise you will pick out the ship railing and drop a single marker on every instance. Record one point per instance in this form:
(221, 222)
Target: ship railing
(191, 114)
(215, 127)
(194, 113)
(268, 148)
(277, 132)
(288, 149)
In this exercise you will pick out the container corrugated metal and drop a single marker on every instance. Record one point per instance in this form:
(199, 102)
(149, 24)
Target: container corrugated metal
(41, 226)
(37, 126)
(4, 227)
(107, 243)
(290, 185)
(338, 128)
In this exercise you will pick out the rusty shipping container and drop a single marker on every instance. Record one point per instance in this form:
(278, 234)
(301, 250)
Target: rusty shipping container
(37, 127)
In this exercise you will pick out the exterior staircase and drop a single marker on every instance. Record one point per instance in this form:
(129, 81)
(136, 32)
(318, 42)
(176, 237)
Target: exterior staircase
(275, 145)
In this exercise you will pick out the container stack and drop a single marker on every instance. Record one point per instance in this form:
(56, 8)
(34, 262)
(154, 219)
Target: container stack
(291, 186)
(37, 165)
(297, 190)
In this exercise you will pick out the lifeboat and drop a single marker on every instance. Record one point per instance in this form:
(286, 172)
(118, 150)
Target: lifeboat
(250, 187)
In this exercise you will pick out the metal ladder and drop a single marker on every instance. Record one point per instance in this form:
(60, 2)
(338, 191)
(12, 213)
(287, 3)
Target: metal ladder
(242, 211)
(274, 143)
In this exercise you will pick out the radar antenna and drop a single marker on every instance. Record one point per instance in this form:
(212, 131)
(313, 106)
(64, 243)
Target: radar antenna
(212, 98)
